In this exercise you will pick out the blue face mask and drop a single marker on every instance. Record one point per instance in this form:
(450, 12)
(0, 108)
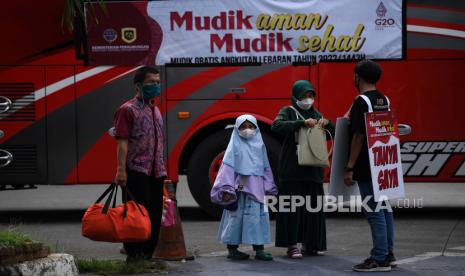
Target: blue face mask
(150, 91)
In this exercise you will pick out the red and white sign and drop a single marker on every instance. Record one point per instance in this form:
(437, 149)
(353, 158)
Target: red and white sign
(384, 153)
(245, 31)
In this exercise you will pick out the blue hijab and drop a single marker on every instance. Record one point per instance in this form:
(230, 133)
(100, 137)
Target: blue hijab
(246, 156)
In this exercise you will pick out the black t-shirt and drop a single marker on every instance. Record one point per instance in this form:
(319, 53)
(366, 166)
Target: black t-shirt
(357, 125)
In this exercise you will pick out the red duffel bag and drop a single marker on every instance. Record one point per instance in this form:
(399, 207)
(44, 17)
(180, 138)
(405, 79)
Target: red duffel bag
(128, 222)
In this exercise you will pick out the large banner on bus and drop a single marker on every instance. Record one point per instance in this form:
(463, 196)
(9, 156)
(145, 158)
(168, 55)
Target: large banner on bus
(244, 31)
(384, 155)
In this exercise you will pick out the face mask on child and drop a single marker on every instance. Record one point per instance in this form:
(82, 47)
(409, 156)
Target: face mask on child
(247, 133)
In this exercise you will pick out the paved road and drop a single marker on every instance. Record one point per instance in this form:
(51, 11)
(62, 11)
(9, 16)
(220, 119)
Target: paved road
(420, 239)
(52, 215)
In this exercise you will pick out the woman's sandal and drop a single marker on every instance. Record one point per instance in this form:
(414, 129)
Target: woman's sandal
(312, 252)
(294, 253)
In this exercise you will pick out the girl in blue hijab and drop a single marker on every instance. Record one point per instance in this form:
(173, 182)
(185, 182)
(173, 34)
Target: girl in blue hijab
(243, 181)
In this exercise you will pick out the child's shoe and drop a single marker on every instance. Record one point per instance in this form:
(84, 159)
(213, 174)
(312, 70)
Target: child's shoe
(262, 255)
(235, 254)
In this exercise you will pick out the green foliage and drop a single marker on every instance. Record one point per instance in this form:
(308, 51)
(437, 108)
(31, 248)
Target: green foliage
(116, 267)
(13, 238)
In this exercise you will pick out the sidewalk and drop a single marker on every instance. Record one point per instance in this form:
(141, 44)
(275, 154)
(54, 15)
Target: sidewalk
(79, 197)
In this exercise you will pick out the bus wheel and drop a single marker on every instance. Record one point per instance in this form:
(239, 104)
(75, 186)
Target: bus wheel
(206, 160)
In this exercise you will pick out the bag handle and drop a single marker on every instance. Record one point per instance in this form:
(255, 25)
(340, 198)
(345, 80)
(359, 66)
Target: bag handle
(109, 189)
(332, 142)
(297, 113)
(308, 131)
(127, 194)
(331, 139)
(114, 198)
(109, 194)
(108, 201)
(112, 192)
(300, 115)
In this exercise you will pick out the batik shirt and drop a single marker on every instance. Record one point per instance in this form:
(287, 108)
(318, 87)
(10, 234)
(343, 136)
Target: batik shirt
(142, 125)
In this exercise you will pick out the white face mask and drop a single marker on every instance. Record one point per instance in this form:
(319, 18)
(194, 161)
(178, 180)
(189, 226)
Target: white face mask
(305, 104)
(247, 133)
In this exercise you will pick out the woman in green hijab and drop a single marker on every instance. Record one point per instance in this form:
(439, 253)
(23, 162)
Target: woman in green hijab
(301, 226)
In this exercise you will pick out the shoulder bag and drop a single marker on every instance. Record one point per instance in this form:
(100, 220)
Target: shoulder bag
(312, 148)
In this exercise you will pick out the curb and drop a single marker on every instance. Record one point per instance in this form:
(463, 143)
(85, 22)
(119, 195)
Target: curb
(52, 265)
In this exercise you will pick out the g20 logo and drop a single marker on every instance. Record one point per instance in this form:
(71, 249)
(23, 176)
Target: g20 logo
(385, 22)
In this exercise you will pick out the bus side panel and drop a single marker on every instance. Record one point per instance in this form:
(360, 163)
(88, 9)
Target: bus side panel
(95, 110)
(61, 125)
(429, 97)
(260, 90)
(424, 94)
(23, 125)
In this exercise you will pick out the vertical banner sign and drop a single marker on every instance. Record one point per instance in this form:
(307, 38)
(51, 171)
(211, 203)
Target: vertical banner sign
(384, 153)
(244, 31)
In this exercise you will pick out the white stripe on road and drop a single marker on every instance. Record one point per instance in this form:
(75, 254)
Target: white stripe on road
(418, 258)
(434, 30)
(454, 254)
(428, 255)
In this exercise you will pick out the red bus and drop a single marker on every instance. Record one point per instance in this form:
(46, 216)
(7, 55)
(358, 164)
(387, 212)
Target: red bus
(55, 112)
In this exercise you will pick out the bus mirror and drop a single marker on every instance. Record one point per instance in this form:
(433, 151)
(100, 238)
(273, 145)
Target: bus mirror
(404, 129)
(111, 132)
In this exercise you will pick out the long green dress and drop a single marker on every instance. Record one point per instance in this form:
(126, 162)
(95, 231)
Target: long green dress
(308, 228)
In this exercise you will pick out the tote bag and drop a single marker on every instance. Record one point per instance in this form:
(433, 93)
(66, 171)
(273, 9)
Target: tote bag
(127, 222)
(312, 148)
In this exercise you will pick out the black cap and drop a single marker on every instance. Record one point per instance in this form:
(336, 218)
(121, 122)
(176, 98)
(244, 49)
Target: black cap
(369, 71)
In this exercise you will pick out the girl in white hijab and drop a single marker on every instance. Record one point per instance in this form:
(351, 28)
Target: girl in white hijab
(243, 180)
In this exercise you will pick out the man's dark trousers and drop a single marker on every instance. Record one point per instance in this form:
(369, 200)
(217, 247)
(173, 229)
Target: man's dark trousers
(147, 191)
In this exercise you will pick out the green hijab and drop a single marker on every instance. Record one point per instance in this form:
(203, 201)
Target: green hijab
(299, 89)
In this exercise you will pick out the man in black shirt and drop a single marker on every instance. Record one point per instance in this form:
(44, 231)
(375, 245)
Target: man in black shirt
(367, 73)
